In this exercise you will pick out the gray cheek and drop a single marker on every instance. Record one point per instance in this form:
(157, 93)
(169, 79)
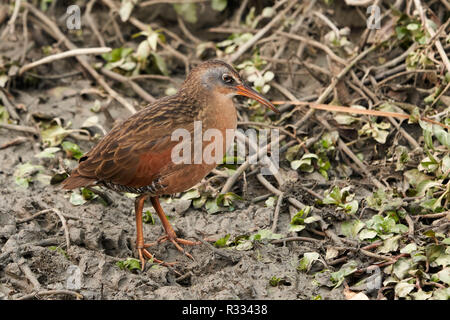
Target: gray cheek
(211, 78)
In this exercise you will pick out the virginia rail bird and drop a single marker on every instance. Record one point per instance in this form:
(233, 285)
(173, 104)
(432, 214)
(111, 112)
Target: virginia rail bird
(135, 156)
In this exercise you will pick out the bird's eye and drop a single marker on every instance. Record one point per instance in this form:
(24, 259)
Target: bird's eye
(227, 79)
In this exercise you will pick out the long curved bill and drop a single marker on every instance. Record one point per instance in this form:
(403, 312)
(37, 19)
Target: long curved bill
(246, 91)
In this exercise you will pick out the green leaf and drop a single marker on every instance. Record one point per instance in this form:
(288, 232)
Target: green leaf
(147, 217)
(292, 152)
(412, 26)
(53, 135)
(307, 261)
(333, 197)
(345, 119)
(199, 202)
(376, 130)
(227, 199)
(72, 150)
(222, 242)
(160, 63)
(268, 12)
(219, 5)
(130, 264)
(402, 289)
(126, 8)
(389, 245)
(211, 206)
(3, 80)
(296, 227)
(24, 172)
(444, 275)
(61, 251)
(143, 51)
(442, 135)
(305, 163)
(152, 40)
(43, 178)
(312, 219)
(4, 115)
(367, 234)
(76, 199)
(442, 260)
(88, 194)
(265, 234)
(270, 202)
(274, 281)
(191, 194)
(401, 268)
(351, 228)
(268, 76)
(48, 152)
(351, 207)
(409, 248)
(58, 177)
(434, 251)
(346, 270)
(441, 294)
(300, 216)
(421, 295)
(244, 245)
(381, 201)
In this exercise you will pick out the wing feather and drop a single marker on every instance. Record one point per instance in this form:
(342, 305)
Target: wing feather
(137, 151)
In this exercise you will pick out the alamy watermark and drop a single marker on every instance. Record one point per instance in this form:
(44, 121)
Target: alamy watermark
(73, 21)
(73, 281)
(207, 147)
(374, 20)
(373, 282)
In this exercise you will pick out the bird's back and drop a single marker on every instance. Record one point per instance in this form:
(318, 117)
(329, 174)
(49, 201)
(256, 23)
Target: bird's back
(135, 151)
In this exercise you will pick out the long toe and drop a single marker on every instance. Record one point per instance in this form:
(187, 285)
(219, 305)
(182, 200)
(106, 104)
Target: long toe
(178, 241)
(144, 252)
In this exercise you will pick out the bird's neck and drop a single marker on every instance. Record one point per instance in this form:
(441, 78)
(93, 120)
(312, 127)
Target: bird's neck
(220, 113)
(216, 111)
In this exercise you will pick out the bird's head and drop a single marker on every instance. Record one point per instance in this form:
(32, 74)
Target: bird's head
(218, 77)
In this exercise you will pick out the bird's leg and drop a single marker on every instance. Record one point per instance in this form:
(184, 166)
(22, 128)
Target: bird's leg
(170, 233)
(140, 245)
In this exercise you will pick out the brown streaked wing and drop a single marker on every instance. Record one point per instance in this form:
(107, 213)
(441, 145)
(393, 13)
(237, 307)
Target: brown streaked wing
(138, 150)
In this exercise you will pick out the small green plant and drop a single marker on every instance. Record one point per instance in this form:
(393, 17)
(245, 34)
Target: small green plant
(301, 219)
(59, 250)
(274, 281)
(342, 198)
(147, 217)
(222, 242)
(129, 264)
(314, 161)
(28, 172)
(72, 150)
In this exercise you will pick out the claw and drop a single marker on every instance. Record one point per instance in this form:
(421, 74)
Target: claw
(176, 242)
(144, 252)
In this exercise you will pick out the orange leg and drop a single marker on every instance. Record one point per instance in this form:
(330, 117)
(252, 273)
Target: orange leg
(140, 245)
(170, 233)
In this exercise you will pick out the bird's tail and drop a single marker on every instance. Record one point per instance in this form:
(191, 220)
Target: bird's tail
(76, 181)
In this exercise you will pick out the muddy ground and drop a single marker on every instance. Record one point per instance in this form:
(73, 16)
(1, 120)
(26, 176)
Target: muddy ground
(100, 235)
(54, 247)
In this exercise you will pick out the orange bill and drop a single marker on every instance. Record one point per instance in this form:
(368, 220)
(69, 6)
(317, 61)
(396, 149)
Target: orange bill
(245, 90)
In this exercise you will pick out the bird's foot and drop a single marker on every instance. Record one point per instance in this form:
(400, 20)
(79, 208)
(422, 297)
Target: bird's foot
(176, 242)
(144, 253)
